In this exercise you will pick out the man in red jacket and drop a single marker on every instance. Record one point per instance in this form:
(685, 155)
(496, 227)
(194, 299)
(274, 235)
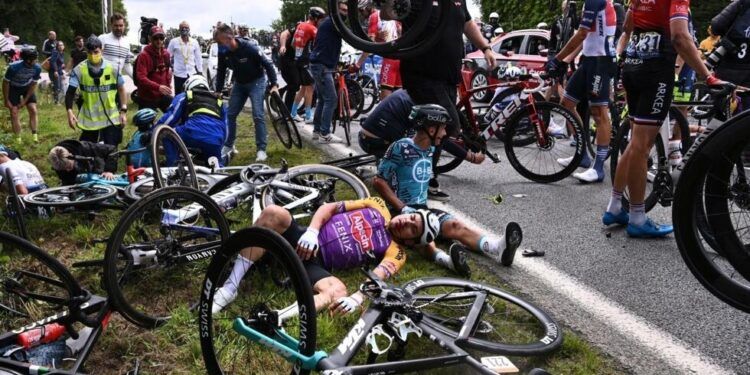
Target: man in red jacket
(154, 74)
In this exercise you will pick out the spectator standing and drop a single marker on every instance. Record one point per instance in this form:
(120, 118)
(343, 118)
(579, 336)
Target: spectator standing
(154, 73)
(19, 90)
(57, 69)
(303, 40)
(99, 117)
(9, 47)
(48, 46)
(77, 54)
(116, 48)
(248, 64)
(186, 57)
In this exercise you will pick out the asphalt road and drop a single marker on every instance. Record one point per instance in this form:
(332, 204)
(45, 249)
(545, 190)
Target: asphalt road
(634, 298)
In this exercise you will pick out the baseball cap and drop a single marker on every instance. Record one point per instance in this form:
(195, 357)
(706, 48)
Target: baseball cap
(156, 30)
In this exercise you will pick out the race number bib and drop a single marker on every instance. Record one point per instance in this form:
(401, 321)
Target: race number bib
(645, 46)
(298, 52)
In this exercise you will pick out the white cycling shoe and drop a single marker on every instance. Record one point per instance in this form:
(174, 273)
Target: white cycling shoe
(589, 176)
(564, 161)
(222, 298)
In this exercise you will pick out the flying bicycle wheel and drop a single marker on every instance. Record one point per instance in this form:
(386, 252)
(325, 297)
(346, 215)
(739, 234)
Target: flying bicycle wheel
(159, 251)
(171, 161)
(279, 118)
(69, 196)
(333, 184)
(505, 325)
(448, 162)
(259, 298)
(538, 161)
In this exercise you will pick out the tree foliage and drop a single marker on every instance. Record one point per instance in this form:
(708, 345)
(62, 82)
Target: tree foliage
(293, 11)
(32, 19)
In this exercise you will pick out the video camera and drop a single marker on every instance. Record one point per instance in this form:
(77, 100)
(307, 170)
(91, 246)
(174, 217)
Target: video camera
(146, 25)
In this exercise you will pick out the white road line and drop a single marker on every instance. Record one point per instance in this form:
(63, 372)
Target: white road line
(670, 349)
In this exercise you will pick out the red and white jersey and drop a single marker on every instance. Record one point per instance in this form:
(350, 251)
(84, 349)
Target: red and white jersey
(655, 15)
(384, 31)
(303, 39)
(600, 19)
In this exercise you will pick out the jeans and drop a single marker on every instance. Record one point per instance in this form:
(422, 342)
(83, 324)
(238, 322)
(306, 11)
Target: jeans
(326, 98)
(179, 84)
(256, 91)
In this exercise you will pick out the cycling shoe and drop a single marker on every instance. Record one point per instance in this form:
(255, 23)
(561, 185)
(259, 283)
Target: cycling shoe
(619, 219)
(649, 229)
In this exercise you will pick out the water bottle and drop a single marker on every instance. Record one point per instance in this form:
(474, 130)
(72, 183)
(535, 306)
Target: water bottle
(40, 335)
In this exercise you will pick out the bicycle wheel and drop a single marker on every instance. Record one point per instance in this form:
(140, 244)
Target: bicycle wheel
(145, 186)
(279, 119)
(171, 161)
(356, 98)
(225, 351)
(158, 249)
(714, 167)
(524, 127)
(448, 162)
(538, 161)
(14, 206)
(69, 196)
(332, 183)
(506, 324)
(371, 93)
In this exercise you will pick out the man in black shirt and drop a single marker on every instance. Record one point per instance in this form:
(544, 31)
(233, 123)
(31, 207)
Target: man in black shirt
(432, 77)
(288, 66)
(78, 53)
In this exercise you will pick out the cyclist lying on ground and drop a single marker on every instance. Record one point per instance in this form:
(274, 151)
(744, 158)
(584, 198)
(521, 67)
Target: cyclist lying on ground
(199, 118)
(341, 235)
(25, 176)
(68, 169)
(402, 180)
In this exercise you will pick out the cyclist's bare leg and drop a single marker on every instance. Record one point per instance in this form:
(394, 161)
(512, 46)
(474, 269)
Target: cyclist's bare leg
(33, 117)
(308, 97)
(600, 113)
(328, 290)
(635, 158)
(15, 114)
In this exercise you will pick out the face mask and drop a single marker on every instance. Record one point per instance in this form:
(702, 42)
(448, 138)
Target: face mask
(95, 59)
(185, 32)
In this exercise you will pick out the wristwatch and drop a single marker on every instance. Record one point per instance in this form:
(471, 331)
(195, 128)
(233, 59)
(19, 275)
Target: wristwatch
(124, 108)
(485, 49)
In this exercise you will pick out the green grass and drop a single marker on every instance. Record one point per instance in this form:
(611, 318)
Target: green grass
(175, 348)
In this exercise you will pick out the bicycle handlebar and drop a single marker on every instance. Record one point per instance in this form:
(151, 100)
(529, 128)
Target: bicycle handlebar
(119, 153)
(541, 78)
(80, 158)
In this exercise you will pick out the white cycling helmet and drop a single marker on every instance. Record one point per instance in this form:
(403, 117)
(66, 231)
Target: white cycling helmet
(498, 31)
(511, 72)
(362, 4)
(196, 80)
(542, 25)
(431, 226)
(494, 15)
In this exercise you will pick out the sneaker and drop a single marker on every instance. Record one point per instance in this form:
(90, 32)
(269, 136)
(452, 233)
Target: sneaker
(585, 163)
(297, 118)
(226, 151)
(589, 176)
(308, 120)
(437, 195)
(649, 229)
(513, 238)
(328, 138)
(222, 299)
(261, 156)
(234, 150)
(620, 219)
(36, 137)
(556, 130)
(457, 253)
(315, 136)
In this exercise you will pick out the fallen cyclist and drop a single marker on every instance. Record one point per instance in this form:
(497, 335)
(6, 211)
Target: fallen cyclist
(61, 157)
(24, 176)
(341, 235)
(403, 181)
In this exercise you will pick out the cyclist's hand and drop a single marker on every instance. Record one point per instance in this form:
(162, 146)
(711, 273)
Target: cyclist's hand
(408, 210)
(347, 305)
(490, 57)
(476, 157)
(8, 104)
(282, 50)
(108, 176)
(556, 68)
(72, 120)
(307, 245)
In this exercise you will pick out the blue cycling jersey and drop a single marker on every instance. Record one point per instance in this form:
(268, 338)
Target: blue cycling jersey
(20, 74)
(407, 169)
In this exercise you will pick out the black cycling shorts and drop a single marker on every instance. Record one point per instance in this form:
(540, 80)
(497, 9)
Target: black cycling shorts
(649, 89)
(16, 93)
(305, 78)
(290, 73)
(592, 81)
(316, 271)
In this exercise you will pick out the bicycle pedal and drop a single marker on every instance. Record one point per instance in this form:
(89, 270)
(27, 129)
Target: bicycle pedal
(493, 156)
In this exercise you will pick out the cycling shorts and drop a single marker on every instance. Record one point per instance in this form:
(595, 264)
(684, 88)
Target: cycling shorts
(305, 78)
(649, 91)
(16, 93)
(592, 80)
(316, 271)
(390, 74)
(290, 73)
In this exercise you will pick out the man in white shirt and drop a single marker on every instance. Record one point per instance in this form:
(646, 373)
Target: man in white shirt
(186, 57)
(116, 49)
(24, 175)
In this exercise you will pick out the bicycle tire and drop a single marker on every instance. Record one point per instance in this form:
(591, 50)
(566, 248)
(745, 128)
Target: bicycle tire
(549, 335)
(101, 192)
(17, 207)
(121, 271)
(704, 265)
(370, 90)
(278, 249)
(356, 97)
(145, 186)
(453, 161)
(276, 110)
(185, 170)
(512, 151)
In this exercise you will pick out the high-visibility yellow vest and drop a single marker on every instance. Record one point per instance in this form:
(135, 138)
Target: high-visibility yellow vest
(200, 101)
(99, 108)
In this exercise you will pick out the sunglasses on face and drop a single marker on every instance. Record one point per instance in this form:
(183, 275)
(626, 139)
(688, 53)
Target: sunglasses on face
(158, 38)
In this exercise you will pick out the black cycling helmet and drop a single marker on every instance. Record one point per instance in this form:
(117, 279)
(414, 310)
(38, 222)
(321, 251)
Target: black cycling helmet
(424, 115)
(29, 53)
(93, 43)
(317, 12)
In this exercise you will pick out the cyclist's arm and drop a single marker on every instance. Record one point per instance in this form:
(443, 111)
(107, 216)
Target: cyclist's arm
(390, 197)
(391, 162)
(323, 214)
(394, 259)
(472, 32)
(574, 44)
(174, 112)
(627, 30)
(17, 181)
(683, 43)
(221, 71)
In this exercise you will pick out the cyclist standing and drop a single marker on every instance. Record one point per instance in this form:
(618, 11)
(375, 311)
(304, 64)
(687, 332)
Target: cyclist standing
(19, 90)
(592, 80)
(382, 31)
(304, 36)
(655, 33)
(732, 24)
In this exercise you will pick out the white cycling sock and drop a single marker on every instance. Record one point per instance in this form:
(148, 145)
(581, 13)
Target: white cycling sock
(288, 312)
(493, 246)
(615, 202)
(241, 266)
(442, 258)
(637, 214)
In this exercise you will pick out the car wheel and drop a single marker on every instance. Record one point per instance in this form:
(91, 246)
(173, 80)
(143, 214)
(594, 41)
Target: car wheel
(478, 79)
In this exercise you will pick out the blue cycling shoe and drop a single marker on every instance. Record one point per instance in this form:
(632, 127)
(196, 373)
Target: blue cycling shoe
(649, 229)
(619, 219)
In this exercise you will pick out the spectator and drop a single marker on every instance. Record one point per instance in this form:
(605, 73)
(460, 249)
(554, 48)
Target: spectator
(304, 36)
(10, 44)
(77, 54)
(707, 45)
(24, 175)
(57, 69)
(154, 73)
(67, 168)
(98, 116)
(288, 67)
(19, 90)
(49, 44)
(248, 64)
(116, 48)
(186, 57)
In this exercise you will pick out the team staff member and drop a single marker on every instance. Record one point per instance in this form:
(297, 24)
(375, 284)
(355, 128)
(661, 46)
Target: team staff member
(19, 90)
(288, 67)
(154, 73)
(116, 48)
(100, 84)
(654, 33)
(303, 40)
(186, 57)
(431, 77)
(248, 63)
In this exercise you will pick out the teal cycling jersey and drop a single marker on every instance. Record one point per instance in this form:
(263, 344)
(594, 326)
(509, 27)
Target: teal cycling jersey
(407, 169)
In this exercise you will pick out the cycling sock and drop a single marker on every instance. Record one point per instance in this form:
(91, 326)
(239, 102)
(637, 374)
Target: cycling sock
(295, 108)
(288, 312)
(675, 152)
(241, 266)
(601, 154)
(615, 202)
(637, 214)
(494, 246)
(308, 112)
(442, 258)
